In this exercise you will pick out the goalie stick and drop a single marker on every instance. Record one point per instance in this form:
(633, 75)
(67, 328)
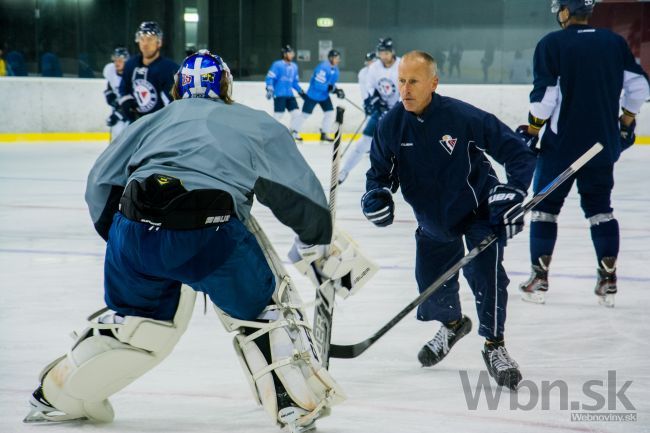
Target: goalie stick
(354, 350)
(324, 308)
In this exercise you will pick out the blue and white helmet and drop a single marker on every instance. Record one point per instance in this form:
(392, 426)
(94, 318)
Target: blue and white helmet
(582, 7)
(149, 28)
(200, 76)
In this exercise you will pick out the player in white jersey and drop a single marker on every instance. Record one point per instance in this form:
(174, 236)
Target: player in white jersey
(113, 74)
(381, 95)
(363, 73)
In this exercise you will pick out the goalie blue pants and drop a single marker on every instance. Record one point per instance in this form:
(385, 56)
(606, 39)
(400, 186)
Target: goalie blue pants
(485, 275)
(145, 267)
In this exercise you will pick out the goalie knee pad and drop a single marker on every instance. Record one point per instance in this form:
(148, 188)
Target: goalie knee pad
(106, 357)
(281, 362)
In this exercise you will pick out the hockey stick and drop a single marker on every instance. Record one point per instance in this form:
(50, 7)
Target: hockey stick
(354, 105)
(354, 350)
(325, 291)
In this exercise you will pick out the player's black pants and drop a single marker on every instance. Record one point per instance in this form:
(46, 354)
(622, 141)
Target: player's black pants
(485, 275)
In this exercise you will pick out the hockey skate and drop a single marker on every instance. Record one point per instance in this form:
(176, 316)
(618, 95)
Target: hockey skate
(606, 284)
(500, 366)
(296, 135)
(439, 346)
(535, 288)
(325, 137)
(42, 411)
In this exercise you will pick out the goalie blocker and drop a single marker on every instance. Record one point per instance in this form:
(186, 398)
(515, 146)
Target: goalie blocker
(345, 266)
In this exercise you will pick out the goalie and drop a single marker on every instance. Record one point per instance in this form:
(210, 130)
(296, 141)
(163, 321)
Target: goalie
(172, 198)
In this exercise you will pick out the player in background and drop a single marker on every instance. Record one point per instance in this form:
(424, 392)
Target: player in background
(362, 76)
(381, 96)
(579, 74)
(148, 77)
(281, 81)
(184, 178)
(323, 82)
(435, 148)
(113, 74)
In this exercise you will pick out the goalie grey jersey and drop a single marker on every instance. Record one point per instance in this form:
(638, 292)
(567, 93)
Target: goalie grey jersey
(208, 144)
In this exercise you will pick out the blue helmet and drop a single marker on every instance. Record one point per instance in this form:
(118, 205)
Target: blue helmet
(576, 7)
(120, 52)
(200, 75)
(149, 28)
(385, 44)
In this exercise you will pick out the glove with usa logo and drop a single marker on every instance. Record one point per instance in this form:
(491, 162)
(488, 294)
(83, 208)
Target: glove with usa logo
(506, 217)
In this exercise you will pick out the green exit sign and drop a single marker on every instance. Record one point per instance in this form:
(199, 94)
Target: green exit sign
(324, 22)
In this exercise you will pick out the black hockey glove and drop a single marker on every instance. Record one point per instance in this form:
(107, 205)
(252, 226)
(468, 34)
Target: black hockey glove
(302, 94)
(627, 134)
(111, 98)
(115, 117)
(129, 109)
(339, 93)
(369, 104)
(505, 216)
(269, 92)
(531, 141)
(378, 206)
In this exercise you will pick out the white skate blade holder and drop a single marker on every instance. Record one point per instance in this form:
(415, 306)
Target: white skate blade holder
(607, 300)
(535, 297)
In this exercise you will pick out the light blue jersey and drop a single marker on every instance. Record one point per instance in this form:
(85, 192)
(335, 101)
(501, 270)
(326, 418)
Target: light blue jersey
(283, 77)
(325, 75)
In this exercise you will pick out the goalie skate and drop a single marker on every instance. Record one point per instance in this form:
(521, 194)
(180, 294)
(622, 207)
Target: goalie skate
(41, 411)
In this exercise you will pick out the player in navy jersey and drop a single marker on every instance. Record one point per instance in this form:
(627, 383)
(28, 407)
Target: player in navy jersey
(148, 77)
(323, 82)
(579, 74)
(434, 148)
(281, 81)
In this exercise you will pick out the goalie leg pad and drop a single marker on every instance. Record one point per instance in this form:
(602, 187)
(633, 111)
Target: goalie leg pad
(106, 357)
(281, 362)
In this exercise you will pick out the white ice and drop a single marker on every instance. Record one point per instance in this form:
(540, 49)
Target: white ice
(51, 279)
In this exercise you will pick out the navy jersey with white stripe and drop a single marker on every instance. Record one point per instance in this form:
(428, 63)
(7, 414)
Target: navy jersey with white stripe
(439, 160)
(579, 74)
(150, 85)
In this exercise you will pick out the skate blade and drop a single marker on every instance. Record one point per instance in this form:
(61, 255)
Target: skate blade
(41, 418)
(533, 298)
(607, 301)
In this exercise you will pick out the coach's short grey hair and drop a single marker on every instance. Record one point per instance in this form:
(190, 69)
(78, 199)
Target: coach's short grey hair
(424, 56)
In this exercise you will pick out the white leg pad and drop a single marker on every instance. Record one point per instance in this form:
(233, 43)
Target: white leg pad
(277, 351)
(98, 366)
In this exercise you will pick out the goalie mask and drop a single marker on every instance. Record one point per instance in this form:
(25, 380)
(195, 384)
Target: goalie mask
(200, 76)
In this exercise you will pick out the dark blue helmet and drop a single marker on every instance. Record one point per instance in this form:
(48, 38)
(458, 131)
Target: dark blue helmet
(200, 75)
(386, 44)
(120, 52)
(333, 53)
(149, 28)
(286, 49)
(576, 7)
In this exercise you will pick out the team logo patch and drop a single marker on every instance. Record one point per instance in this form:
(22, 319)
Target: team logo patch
(187, 79)
(145, 94)
(386, 87)
(448, 143)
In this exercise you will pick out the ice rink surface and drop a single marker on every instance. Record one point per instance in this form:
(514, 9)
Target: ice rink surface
(51, 280)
